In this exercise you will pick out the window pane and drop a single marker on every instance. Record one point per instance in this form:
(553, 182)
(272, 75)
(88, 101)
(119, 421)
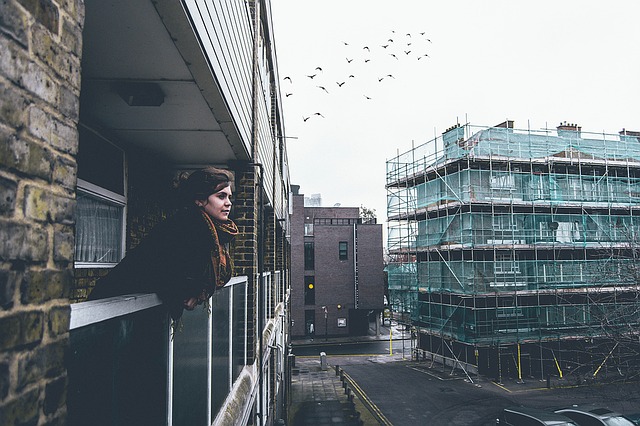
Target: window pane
(98, 230)
(308, 256)
(343, 250)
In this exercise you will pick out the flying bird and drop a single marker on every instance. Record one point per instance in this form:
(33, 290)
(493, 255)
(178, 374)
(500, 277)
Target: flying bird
(380, 79)
(393, 55)
(346, 44)
(409, 34)
(349, 60)
(288, 78)
(305, 118)
(318, 68)
(366, 47)
(390, 40)
(389, 75)
(384, 46)
(311, 76)
(407, 52)
(352, 76)
(317, 113)
(321, 87)
(420, 57)
(366, 60)
(366, 97)
(288, 94)
(340, 84)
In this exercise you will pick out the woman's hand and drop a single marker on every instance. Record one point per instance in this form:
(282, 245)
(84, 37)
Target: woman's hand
(190, 303)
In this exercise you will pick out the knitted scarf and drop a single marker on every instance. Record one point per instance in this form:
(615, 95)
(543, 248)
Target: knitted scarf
(221, 234)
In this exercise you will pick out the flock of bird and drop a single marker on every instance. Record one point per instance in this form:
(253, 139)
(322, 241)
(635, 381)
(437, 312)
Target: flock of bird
(397, 47)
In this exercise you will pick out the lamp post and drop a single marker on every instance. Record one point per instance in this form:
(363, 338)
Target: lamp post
(326, 322)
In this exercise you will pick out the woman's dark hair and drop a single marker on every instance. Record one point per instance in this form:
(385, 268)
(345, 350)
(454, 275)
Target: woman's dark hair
(199, 184)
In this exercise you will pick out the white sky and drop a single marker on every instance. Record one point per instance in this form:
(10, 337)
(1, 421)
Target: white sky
(536, 62)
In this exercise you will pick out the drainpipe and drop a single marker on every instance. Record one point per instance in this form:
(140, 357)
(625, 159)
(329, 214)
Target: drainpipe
(254, 137)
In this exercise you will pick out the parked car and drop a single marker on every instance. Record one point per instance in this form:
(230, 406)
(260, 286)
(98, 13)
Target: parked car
(523, 416)
(594, 416)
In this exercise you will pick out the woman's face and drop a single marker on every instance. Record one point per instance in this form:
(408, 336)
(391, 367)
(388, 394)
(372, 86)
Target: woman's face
(218, 204)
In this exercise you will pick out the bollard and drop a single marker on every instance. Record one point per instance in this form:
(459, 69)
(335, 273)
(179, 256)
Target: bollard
(292, 360)
(337, 370)
(323, 361)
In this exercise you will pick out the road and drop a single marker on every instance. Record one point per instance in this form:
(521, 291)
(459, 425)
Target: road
(380, 347)
(410, 392)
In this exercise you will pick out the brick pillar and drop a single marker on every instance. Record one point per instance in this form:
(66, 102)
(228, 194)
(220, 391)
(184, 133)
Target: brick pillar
(39, 106)
(244, 250)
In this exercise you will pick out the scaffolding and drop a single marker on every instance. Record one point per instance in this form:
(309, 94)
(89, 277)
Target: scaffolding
(501, 237)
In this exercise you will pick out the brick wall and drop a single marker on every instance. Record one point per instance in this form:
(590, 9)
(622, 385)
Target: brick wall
(40, 43)
(244, 249)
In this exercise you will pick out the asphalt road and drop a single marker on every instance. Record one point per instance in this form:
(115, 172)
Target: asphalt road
(417, 393)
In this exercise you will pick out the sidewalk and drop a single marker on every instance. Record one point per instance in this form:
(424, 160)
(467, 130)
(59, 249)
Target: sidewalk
(318, 396)
(396, 334)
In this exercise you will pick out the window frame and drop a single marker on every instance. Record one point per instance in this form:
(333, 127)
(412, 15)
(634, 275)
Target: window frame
(110, 197)
(343, 254)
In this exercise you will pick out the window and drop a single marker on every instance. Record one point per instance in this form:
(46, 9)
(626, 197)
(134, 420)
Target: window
(343, 252)
(309, 254)
(503, 182)
(101, 201)
(308, 229)
(309, 290)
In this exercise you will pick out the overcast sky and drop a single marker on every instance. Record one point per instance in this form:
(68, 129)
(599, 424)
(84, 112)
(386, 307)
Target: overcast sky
(535, 62)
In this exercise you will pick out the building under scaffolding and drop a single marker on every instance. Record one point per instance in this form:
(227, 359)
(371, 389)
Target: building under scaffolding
(514, 251)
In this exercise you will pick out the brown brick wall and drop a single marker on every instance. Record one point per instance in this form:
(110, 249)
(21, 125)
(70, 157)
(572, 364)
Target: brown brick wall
(39, 97)
(244, 250)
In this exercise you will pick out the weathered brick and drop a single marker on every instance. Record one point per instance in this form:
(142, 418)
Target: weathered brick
(13, 22)
(24, 156)
(71, 37)
(37, 81)
(13, 105)
(55, 395)
(45, 127)
(42, 286)
(44, 361)
(4, 380)
(22, 410)
(53, 55)
(8, 191)
(42, 205)
(21, 329)
(45, 12)
(63, 243)
(23, 242)
(15, 58)
(64, 172)
(59, 320)
(8, 281)
(69, 103)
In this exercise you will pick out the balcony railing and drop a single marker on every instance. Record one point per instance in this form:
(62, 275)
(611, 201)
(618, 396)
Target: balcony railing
(127, 365)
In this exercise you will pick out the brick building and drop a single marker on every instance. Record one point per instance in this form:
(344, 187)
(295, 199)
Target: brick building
(337, 277)
(103, 104)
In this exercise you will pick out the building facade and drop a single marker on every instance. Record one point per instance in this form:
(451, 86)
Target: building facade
(337, 277)
(104, 104)
(513, 251)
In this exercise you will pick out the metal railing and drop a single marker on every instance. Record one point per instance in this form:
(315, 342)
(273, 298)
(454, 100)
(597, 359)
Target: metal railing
(128, 365)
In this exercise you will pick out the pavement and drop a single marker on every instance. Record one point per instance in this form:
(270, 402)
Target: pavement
(319, 395)
(324, 395)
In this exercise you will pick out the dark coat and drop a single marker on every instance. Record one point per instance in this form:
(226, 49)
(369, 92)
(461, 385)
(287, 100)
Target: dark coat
(174, 261)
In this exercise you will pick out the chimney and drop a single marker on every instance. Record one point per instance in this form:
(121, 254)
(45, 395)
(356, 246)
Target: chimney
(505, 124)
(453, 135)
(295, 189)
(568, 130)
(629, 135)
